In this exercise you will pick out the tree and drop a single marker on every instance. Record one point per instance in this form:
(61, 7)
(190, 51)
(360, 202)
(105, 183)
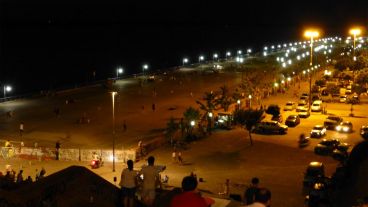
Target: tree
(344, 63)
(207, 107)
(273, 109)
(320, 83)
(248, 119)
(191, 114)
(333, 89)
(225, 99)
(171, 128)
(362, 78)
(358, 89)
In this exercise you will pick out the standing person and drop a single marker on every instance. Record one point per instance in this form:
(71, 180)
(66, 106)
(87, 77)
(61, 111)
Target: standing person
(21, 128)
(57, 147)
(128, 184)
(20, 176)
(251, 191)
(173, 155)
(190, 195)
(262, 198)
(151, 179)
(180, 158)
(124, 126)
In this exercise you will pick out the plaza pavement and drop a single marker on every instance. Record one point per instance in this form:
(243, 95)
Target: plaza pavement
(275, 159)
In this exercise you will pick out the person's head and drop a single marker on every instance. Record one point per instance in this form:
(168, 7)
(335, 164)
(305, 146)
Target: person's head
(20, 171)
(255, 181)
(151, 160)
(263, 195)
(130, 164)
(189, 183)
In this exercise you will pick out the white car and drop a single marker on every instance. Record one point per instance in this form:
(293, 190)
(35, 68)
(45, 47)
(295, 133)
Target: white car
(304, 113)
(317, 106)
(343, 98)
(318, 131)
(302, 105)
(289, 106)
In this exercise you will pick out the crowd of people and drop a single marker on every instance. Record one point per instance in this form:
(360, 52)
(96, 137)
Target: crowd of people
(141, 187)
(12, 180)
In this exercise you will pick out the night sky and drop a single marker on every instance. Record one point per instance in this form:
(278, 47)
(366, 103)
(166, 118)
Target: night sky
(47, 45)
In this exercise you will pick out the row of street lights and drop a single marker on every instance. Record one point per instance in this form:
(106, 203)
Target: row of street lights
(216, 56)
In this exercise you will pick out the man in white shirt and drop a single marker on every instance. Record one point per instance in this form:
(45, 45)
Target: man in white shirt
(151, 180)
(262, 198)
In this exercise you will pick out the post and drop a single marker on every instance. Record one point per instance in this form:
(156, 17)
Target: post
(113, 131)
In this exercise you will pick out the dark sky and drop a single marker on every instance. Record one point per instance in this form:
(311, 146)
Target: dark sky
(63, 41)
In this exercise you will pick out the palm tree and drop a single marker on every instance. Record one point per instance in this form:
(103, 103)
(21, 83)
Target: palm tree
(248, 119)
(171, 128)
(207, 107)
(191, 114)
(225, 99)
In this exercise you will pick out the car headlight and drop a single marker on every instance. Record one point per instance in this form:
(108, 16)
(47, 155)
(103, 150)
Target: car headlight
(345, 129)
(338, 128)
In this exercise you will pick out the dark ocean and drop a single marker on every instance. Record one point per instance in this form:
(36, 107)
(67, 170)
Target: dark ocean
(48, 46)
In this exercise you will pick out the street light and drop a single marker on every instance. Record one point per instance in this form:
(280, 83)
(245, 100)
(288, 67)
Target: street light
(201, 58)
(228, 54)
(144, 67)
(113, 130)
(311, 34)
(355, 32)
(185, 60)
(119, 71)
(215, 56)
(7, 88)
(250, 100)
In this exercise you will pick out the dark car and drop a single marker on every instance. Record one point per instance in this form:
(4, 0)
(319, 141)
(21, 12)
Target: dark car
(341, 152)
(326, 146)
(314, 172)
(332, 121)
(345, 126)
(292, 120)
(364, 132)
(271, 127)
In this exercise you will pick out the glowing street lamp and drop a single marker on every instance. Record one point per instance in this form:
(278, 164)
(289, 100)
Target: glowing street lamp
(311, 34)
(113, 130)
(355, 32)
(228, 54)
(119, 71)
(200, 58)
(144, 67)
(239, 52)
(250, 100)
(215, 56)
(7, 88)
(192, 123)
(249, 51)
(185, 61)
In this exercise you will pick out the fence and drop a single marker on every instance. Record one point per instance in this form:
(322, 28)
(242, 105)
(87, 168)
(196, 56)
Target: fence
(67, 154)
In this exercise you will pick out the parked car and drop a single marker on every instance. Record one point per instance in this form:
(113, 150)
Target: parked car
(301, 105)
(345, 126)
(304, 113)
(271, 127)
(343, 98)
(326, 146)
(318, 131)
(278, 118)
(289, 106)
(292, 120)
(353, 99)
(364, 131)
(316, 106)
(314, 172)
(341, 152)
(332, 121)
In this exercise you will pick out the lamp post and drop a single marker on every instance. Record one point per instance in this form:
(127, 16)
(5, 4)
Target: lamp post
(215, 56)
(250, 101)
(185, 61)
(210, 115)
(311, 34)
(238, 102)
(228, 54)
(144, 67)
(113, 130)
(7, 88)
(119, 71)
(354, 32)
(200, 58)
